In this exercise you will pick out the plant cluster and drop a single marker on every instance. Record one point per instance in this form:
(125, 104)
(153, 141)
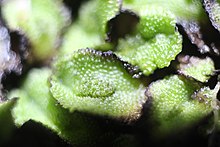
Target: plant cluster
(112, 72)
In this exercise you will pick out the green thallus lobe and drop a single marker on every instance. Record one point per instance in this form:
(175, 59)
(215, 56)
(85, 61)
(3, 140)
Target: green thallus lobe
(96, 82)
(6, 120)
(199, 69)
(178, 103)
(154, 44)
(36, 103)
(180, 8)
(152, 54)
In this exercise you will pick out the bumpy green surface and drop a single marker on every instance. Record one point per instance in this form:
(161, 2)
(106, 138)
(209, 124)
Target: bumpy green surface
(155, 42)
(182, 9)
(106, 10)
(89, 30)
(156, 20)
(41, 21)
(96, 82)
(83, 32)
(175, 105)
(76, 38)
(36, 103)
(6, 121)
(199, 69)
(88, 17)
(152, 54)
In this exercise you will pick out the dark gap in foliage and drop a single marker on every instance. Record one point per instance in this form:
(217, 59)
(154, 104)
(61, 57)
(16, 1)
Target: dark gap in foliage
(166, 71)
(73, 6)
(210, 36)
(212, 81)
(20, 45)
(35, 135)
(194, 136)
(188, 48)
(121, 25)
(114, 130)
(193, 31)
(214, 140)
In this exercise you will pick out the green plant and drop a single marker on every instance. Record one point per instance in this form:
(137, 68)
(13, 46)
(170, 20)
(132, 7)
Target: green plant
(97, 69)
